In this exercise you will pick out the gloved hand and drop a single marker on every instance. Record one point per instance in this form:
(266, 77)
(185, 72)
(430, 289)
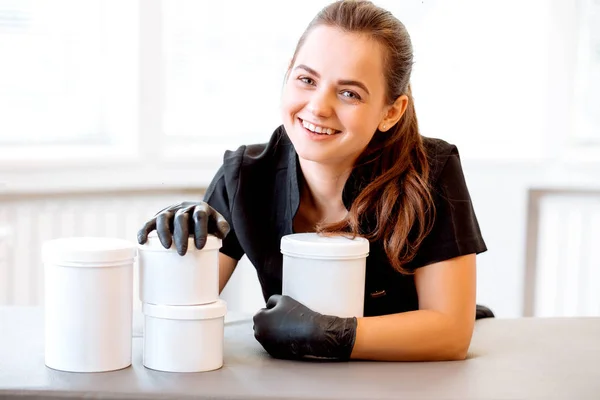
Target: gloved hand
(290, 330)
(180, 220)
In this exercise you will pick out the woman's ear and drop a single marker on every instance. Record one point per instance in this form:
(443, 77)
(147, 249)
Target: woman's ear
(393, 113)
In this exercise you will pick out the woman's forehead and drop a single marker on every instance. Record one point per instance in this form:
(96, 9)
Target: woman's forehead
(336, 54)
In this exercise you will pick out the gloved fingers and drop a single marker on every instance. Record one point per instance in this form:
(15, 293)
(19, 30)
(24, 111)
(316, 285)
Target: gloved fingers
(276, 351)
(257, 320)
(290, 304)
(164, 228)
(264, 312)
(181, 230)
(200, 217)
(148, 227)
(220, 223)
(171, 207)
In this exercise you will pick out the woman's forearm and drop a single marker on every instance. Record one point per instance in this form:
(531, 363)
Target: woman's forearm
(422, 335)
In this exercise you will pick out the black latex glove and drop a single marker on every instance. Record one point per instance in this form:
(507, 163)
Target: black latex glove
(178, 221)
(290, 330)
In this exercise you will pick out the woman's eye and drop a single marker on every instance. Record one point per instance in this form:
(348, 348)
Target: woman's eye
(306, 80)
(351, 95)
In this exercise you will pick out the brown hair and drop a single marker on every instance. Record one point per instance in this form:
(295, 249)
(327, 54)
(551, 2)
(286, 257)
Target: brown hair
(397, 193)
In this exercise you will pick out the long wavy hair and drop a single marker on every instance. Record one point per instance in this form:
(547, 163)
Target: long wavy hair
(397, 192)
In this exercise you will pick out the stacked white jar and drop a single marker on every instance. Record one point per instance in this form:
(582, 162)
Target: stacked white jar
(183, 315)
(88, 303)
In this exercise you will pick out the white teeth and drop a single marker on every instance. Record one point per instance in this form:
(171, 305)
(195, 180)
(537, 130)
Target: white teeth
(317, 129)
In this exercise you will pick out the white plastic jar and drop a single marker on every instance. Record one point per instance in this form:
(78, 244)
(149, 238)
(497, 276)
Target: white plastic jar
(166, 278)
(184, 338)
(326, 273)
(88, 303)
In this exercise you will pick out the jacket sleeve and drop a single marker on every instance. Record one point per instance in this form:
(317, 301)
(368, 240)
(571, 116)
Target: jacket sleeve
(217, 197)
(455, 229)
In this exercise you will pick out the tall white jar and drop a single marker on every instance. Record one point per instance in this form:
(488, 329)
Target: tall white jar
(88, 303)
(325, 273)
(167, 278)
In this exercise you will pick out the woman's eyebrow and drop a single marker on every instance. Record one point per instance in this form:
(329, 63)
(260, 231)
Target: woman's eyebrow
(344, 82)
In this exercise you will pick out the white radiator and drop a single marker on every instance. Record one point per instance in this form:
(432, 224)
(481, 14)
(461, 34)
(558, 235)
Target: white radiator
(27, 221)
(564, 255)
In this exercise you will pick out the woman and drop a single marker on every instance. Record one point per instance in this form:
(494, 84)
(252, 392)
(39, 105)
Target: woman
(348, 158)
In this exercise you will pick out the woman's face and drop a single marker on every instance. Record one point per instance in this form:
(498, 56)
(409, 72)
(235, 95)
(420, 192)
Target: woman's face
(334, 97)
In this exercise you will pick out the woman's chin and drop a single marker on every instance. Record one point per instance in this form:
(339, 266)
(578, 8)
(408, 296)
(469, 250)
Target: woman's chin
(320, 157)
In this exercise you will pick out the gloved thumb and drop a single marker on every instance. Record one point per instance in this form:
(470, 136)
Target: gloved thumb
(273, 300)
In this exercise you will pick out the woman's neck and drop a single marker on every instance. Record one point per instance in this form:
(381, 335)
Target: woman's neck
(321, 192)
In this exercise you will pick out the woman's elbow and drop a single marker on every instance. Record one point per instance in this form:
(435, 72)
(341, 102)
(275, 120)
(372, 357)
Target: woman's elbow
(459, 346)
(455, 352)
(460, 354)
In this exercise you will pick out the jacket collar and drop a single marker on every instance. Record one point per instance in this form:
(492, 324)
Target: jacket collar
(355, 183)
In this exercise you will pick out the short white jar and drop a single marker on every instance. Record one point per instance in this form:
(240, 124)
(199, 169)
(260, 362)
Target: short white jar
(166, 278)
(325, 273)
(88, 303)
(184, 338)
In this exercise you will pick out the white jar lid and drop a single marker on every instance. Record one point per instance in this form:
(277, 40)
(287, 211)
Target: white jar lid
(313, 245)
(217, 309)
(154, 244)
(88, 250)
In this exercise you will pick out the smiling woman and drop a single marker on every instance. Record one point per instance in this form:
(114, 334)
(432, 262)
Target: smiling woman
(358, 85)
(348, 159)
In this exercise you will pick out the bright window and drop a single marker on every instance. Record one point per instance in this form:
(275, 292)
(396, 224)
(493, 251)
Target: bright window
(587, 88)
(67, 74)
(183, 80)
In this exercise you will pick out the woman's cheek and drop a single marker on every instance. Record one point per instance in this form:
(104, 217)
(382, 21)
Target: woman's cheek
(287, 98)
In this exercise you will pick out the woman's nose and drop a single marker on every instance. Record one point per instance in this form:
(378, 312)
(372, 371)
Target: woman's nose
(320, 104)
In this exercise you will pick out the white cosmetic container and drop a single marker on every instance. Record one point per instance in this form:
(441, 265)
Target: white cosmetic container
(184, 338)
(326, 274)
(88, 303)
(167, 278)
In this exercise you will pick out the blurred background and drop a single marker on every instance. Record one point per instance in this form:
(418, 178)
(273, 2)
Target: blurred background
(111, 110)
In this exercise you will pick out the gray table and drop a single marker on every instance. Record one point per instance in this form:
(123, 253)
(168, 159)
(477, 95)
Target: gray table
(509, 359)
